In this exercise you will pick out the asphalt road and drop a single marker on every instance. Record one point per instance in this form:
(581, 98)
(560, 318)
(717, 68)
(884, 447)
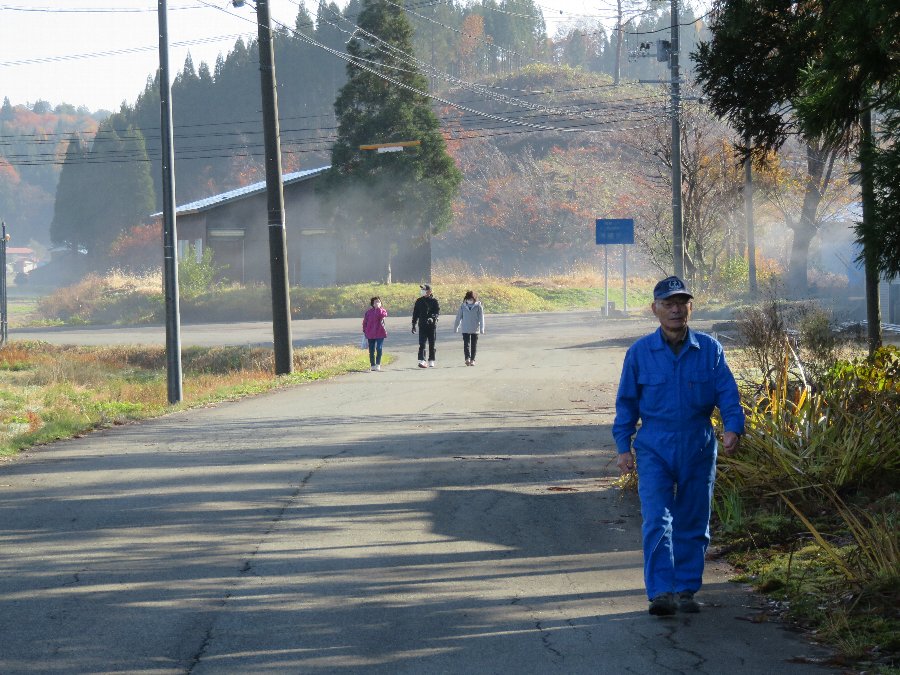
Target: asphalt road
(450, 520)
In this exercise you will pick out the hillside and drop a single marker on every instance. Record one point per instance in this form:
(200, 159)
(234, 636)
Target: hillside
(562, 148)
(32, 143)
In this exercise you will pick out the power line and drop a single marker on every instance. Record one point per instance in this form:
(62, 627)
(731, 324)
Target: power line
(296, 146)
(92, 10)
(117, 52)
(408, 58)
(669, 27)
(542, 120)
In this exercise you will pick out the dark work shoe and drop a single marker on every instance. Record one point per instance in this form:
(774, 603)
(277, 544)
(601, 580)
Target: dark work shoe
(686, 603)
(663, 605)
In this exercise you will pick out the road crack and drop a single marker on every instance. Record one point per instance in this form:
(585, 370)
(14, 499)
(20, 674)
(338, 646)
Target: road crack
(248, 565)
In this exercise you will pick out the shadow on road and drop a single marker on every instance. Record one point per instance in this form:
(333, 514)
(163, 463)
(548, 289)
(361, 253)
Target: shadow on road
(329, 545)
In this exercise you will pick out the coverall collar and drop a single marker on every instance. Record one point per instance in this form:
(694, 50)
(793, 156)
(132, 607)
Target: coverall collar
(659, 342)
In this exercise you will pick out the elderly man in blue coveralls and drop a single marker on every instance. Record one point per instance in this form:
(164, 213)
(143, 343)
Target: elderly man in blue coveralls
(671, 381)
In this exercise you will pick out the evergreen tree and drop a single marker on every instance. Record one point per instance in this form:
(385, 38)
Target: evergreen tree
(136, 196)
(820, 69)
(116, 189)
(68, 210)
(102, 164)
(402, 194)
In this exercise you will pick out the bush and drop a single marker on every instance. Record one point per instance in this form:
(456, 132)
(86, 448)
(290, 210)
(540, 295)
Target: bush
(829, 456)
(732, 277)
(197, 273)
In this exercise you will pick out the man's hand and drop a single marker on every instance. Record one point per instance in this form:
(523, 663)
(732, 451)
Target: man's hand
(625, 462)
(730, 442)
(413, 329)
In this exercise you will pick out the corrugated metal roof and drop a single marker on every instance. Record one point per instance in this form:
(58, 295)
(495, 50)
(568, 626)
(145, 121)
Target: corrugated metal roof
(238, 193)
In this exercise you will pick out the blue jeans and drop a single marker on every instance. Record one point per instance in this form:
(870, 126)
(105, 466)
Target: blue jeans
(375, 345)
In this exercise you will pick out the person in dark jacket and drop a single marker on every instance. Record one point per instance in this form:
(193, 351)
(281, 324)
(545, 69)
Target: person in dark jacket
(425, 314)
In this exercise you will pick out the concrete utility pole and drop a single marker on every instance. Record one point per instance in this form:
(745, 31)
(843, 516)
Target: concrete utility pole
(619, 29)
(677, 226)
(170, 256)
(4, 319)
(281, 309)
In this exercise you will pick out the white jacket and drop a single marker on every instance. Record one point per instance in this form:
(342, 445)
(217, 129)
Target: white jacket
(471, 318)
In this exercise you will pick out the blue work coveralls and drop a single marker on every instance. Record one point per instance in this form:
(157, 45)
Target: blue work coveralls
(675, 448)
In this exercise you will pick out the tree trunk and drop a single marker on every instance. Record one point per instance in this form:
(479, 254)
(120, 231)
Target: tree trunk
(870, 255)
(387, 260)
(798, 266)
(807, 226)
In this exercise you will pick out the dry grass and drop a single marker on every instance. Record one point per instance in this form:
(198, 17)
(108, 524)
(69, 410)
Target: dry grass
(458, 272)
(48, 392)
(120, 298)
(148, 282)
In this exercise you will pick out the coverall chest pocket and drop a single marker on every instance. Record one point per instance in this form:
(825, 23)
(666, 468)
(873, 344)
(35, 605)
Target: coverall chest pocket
(654, 394)
(702, 391)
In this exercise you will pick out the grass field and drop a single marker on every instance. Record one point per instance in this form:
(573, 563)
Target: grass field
(48, 392)
(121, 299)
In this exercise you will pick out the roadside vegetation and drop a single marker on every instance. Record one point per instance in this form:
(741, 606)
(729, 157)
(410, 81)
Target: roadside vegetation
(121, 298)
(49, 393)
(808, 509)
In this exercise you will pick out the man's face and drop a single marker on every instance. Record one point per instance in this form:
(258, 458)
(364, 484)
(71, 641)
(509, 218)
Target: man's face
(673, 312)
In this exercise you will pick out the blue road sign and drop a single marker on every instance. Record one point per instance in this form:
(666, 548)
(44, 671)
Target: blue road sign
(615, 231)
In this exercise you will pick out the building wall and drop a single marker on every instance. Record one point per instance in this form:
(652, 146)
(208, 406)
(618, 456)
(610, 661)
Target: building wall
(238, 234)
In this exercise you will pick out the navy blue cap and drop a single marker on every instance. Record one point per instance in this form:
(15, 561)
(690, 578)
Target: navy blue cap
(425, 287)
(668, 287)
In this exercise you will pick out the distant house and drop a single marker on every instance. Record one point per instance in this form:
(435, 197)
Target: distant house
(234, 225)
(21, 259)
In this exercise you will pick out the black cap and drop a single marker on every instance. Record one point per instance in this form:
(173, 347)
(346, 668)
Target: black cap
(425, 287)
(668, 287)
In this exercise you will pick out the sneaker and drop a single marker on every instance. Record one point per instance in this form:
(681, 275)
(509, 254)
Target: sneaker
(422, 364)
(468, 363)
(472, 362)
(431, 364)
(663, 605)
(374, 368)
(686, 603)
(377, 368)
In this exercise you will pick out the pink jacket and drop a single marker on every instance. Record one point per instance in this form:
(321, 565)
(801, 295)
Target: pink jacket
(373, 323)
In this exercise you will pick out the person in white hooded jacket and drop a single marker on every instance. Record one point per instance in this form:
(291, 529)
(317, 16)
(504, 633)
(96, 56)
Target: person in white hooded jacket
(470, 318)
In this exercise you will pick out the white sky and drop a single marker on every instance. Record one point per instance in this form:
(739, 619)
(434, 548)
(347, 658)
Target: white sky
(99, 53)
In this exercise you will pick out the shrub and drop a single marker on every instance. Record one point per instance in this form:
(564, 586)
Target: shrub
(197, 273)
(732, 276)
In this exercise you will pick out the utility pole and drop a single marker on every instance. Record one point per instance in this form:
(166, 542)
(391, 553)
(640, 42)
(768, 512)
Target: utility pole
(4, 319)
(677, 226)
(433, 21)
(170, 258)
(618, 69)
(281, 310)
(748, 213)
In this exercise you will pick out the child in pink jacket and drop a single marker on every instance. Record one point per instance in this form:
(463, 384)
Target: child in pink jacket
(373, 329)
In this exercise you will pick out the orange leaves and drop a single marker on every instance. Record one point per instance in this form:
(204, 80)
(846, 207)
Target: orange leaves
(8, 173)
(472, 34)
(136, 237)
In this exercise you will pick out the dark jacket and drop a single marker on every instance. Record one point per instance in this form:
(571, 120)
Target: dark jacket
(426, 307)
